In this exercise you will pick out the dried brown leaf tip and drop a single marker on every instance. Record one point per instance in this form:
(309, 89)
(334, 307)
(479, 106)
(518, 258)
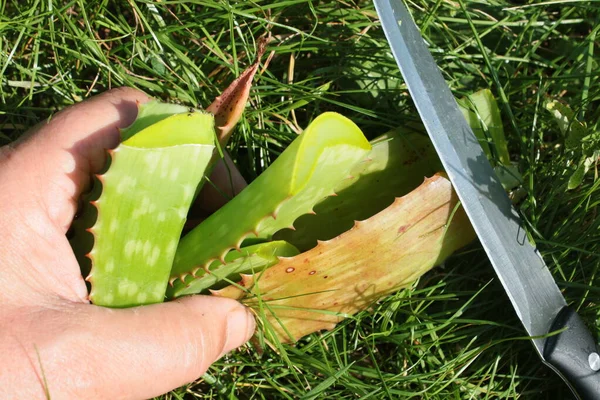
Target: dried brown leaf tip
(229, 106)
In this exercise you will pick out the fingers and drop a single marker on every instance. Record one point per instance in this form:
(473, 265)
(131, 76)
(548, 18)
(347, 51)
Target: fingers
(146, 351)
(53, 163)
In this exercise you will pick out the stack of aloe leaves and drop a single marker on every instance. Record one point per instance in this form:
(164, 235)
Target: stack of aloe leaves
(333, 225)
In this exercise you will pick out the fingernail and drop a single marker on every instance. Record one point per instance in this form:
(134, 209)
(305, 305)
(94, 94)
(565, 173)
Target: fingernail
(240, 328)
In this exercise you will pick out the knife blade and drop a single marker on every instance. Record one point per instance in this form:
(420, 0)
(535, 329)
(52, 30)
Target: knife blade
(558, 334)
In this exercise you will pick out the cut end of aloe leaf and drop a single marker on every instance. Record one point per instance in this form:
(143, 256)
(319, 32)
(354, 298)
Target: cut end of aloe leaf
(326, 130)
(179, 129)
(150, 113)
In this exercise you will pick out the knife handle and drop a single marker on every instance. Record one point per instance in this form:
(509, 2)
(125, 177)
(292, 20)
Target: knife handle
(574, 354)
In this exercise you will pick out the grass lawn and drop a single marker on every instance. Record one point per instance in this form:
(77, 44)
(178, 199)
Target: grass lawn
(454, 334)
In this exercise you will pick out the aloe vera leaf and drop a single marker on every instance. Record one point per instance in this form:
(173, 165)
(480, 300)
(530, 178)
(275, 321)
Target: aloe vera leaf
(339, 277)
(251, 259)
(229, 106)
(483, 115)
(573, 129)
(577, 177)
(397, 164)
(306, 172)
(146, 193)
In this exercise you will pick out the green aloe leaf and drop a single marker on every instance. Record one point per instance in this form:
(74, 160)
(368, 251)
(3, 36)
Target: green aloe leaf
(145, 196)
(483, 115)
(573, 129)
(305, 173)
(249, 260)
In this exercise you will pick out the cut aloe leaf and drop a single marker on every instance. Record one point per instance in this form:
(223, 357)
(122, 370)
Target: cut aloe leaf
(316, 289)
(399, 162)
(305, 173)
(249, 260)
(146, 193)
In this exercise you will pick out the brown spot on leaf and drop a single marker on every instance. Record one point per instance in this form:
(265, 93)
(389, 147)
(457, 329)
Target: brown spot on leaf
(290, 269)
(312, 272)
(402, 229)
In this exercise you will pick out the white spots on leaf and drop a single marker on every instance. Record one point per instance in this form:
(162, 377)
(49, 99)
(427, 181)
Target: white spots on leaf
(182, 212)
(142, 297)
(126, 183)
(161, 216)
(139, 247)
(143, 208)
(188, 192)
(147, 206)
(127, 288)
(152, 159)
(153, 258)
(196, 151)
(172, 246)
(159, 291)
(147, 247)
(174, 174)
(113, 226)
(109, 298)
(129, 248)
(109, 266)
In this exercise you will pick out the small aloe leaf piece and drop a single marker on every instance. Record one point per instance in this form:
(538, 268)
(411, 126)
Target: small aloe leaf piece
(483, 115)
(249, 260)
(481, 111)
(306, 172)
(146, 193)
(316, 289)
(573, 129)
(397, 164)
(581, 142)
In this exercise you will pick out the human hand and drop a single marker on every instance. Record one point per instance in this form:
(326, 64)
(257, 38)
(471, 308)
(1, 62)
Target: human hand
(52, 341)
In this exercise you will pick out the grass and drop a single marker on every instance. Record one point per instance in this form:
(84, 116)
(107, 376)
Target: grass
(454, 334)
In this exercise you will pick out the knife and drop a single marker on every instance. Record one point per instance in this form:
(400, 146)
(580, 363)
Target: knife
(559, 335)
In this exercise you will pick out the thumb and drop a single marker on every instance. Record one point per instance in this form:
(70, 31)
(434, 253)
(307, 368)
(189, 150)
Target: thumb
(146, 351)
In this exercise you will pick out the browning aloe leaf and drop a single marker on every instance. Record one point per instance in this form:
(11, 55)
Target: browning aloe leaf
(306, 172)
(229, 106)
(314, 290)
